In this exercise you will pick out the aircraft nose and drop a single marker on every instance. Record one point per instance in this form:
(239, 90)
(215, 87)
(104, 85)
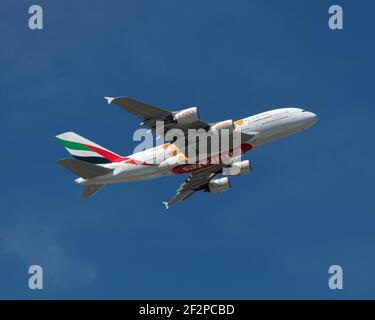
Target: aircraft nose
(311, 118)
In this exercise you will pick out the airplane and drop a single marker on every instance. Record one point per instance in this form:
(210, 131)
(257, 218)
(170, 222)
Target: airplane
(97, 166)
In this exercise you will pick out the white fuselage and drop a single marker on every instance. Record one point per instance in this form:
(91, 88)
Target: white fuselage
(167, 160)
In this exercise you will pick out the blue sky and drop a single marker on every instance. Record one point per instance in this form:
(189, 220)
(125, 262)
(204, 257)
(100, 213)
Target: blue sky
(307, 205)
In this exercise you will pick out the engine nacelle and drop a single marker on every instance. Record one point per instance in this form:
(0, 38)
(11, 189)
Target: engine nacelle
(238, 169)
(187, 116)
(226, 124)
(219, 185)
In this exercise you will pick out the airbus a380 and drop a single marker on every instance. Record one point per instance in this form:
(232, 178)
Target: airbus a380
(96, 166)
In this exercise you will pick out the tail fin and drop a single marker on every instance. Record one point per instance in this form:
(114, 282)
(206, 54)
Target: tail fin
(83, 169)
(86, 150)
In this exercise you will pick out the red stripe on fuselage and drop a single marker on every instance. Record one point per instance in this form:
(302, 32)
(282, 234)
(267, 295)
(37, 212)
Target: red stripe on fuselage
(115, 158)
(106, 154)
(137, 162)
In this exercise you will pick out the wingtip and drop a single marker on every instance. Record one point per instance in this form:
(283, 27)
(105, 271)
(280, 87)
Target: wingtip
(166, 204)
(109, 99)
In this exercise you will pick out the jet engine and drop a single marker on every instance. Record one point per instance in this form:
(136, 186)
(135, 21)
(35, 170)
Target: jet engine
(226, 124)
(187, 116)
(219, 185)
(238, 169)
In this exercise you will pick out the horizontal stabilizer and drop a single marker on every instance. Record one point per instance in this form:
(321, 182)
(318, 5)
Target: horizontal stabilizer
(83, 169)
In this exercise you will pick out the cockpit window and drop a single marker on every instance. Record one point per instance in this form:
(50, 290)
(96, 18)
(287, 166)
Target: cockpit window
(303, 110)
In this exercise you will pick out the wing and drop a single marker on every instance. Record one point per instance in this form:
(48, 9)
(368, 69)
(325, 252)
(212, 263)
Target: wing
(140, 109)
(150, 114)
(195, 182)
